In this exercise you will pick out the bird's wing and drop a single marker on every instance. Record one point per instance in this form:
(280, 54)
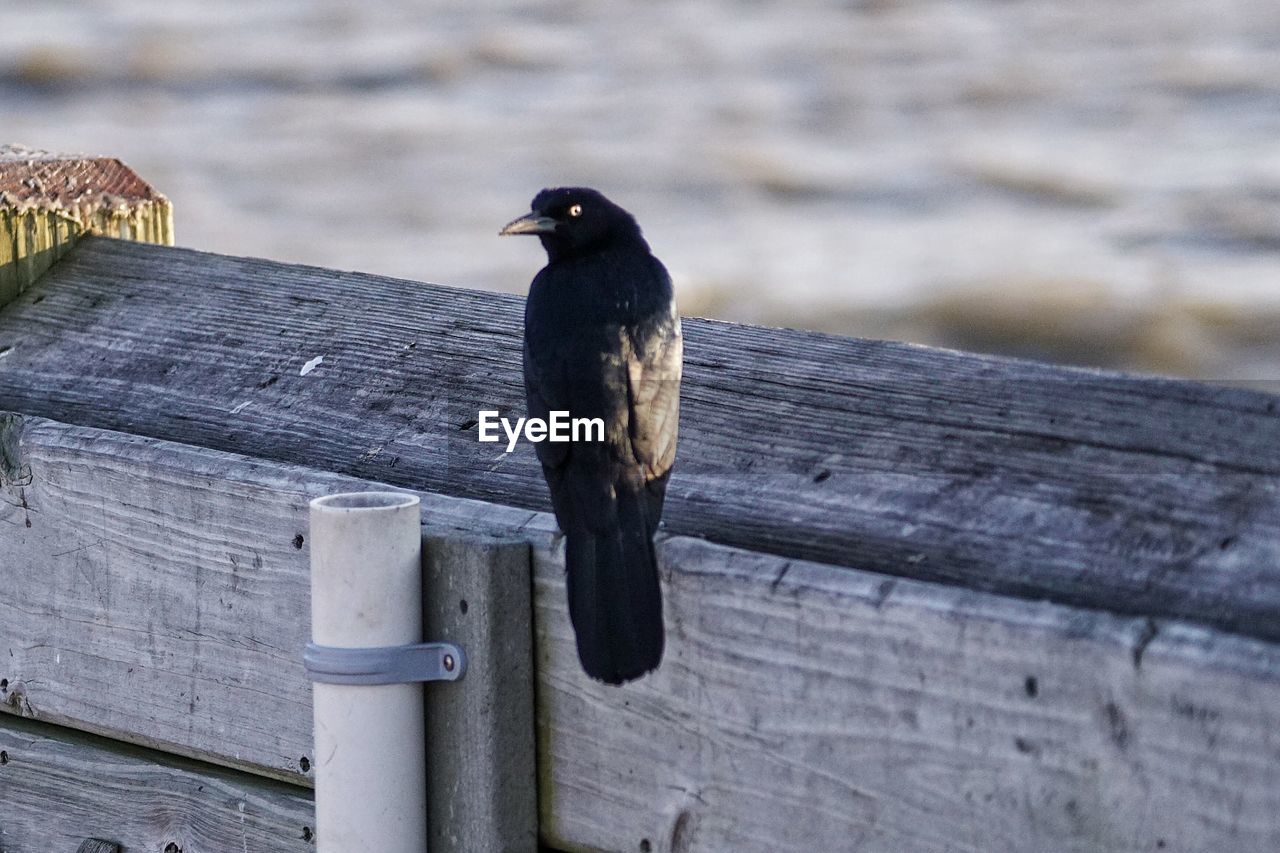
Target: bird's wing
(654, 361)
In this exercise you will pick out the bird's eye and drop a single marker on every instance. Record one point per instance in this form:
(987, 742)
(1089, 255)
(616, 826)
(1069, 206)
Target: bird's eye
(575, 210)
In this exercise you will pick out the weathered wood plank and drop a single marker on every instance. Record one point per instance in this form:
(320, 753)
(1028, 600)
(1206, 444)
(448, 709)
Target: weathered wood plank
(1143, 496)
(60, 788)
(483, 788)
(159, 593)
(800, 706)
(155, 599)
(803, 707)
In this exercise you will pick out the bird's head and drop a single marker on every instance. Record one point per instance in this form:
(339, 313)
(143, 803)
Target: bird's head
(574, 221)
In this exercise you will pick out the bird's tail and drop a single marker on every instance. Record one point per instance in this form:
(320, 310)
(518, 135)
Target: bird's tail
(615, 601)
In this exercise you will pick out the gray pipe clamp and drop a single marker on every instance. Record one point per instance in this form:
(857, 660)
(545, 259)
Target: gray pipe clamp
(385, 664)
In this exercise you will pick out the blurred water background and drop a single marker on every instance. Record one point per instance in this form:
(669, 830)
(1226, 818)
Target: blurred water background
(1091, 182)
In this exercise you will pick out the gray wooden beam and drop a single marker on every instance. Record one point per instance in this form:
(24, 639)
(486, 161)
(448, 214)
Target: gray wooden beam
(804, 707)
(60, 788)
(1142, 496)
(173, 596)
(482, 776)
(800, 706)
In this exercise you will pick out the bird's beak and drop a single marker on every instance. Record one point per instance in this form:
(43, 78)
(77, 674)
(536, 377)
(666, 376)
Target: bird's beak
(530, 223)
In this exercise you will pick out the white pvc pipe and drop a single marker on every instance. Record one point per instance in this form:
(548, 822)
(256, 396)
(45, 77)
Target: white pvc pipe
(366, 590)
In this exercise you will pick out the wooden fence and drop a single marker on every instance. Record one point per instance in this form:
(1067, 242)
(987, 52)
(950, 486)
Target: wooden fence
(917, 600)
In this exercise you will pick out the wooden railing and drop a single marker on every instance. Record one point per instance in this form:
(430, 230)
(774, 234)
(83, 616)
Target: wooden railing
(916, 599)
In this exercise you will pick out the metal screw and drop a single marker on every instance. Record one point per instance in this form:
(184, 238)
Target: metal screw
(448, 663)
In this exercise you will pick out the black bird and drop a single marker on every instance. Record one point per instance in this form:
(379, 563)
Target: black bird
(602, 340)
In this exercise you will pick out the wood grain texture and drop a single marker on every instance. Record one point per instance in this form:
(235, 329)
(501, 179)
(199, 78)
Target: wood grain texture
(159, 593)
(156, 599)
(60, 789)
(97, 845)
(30, 242)
(482, 782)
(1141, 496)
(800, 706)
(805, 707)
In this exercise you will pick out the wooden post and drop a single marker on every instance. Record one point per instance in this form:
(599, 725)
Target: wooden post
(48, 200)
(482, 791)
